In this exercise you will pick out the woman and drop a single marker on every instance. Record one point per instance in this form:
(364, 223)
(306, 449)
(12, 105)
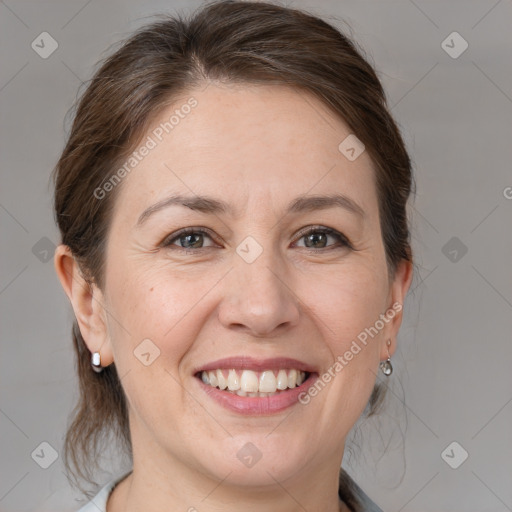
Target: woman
(232, 205)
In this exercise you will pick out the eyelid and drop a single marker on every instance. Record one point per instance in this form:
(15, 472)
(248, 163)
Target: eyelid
(166, 242)
(342, 239)
(330, 231)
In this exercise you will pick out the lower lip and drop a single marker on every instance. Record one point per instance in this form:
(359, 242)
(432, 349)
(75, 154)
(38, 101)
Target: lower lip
(258, 405)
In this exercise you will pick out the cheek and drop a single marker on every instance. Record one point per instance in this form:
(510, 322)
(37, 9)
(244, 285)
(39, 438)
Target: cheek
(346, 302)
(348, 308)
(153, 304)
(348, 305)
(151, 334)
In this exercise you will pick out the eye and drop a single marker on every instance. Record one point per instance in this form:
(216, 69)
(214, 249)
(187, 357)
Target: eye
(316, 237)
(189, 238)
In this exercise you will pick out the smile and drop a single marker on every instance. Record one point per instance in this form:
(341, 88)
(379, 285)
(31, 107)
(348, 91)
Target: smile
(254, 384)
(255, 387)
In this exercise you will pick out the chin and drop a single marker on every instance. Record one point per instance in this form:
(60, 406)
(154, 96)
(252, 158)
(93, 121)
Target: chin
(257, 460)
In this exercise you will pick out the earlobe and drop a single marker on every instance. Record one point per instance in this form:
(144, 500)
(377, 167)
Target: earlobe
(87, 302)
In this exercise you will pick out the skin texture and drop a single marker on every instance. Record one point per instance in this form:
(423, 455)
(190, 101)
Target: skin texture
(257, 148)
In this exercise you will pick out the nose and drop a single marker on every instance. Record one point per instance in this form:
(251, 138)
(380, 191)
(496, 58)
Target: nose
(258, 299)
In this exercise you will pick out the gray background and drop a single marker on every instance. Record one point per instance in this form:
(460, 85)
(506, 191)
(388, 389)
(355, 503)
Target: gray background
(453, 378)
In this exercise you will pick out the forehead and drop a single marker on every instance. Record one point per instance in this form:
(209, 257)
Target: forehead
(246, 142)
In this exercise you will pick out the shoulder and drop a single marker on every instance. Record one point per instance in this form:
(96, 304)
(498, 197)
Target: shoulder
(99, 502)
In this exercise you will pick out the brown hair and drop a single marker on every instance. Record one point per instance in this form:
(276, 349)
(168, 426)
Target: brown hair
(232, 41)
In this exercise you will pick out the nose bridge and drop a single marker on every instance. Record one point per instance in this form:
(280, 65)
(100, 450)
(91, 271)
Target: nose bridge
(260, 279)
(257, 295)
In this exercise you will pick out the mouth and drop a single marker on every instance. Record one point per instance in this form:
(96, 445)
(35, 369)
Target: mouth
(253, 383)
(249, 386)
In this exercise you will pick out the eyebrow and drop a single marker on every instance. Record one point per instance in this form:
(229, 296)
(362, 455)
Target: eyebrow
(210, 205)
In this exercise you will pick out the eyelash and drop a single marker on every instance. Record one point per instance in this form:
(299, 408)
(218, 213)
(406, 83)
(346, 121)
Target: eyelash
(342, 239)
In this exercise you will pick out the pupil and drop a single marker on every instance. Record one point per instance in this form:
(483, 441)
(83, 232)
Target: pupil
(314, 238)
(188, 237)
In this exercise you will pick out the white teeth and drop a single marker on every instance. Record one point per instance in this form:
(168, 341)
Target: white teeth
(247, 382)
(222, 382)
(292, 378)
(233, 381)
(212, 376)
(282, 380)
(268, 382)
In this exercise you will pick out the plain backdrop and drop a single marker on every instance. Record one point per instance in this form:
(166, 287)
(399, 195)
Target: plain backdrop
(451, 392)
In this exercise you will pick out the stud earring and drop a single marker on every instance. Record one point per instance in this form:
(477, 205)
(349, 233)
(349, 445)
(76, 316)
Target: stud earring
(386, 366)
(96, 362)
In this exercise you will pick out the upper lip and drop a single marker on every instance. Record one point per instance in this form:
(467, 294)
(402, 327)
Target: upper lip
(250, 363)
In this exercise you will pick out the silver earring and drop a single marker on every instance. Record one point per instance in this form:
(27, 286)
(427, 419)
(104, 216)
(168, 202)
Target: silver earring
(96, 362)
(386, 366)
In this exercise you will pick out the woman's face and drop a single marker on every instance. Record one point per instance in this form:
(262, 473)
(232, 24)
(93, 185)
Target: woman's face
(247, 288)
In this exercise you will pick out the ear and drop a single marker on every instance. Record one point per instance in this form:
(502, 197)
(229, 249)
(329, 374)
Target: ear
(398, 290)
(88, 304)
